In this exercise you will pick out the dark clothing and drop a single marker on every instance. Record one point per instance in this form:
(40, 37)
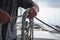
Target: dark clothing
(24, 3)
(20, 3)
(7, 5)
(11, 6)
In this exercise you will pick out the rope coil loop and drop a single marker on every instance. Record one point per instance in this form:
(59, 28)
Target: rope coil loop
(23, 34)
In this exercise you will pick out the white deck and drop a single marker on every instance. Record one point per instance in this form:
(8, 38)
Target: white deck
(43, 35)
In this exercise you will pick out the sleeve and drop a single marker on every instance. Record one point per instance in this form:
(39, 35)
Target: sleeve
(25, 3)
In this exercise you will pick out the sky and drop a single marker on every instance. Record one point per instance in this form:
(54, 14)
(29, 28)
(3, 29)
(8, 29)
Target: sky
(51, 3)
(49, 11)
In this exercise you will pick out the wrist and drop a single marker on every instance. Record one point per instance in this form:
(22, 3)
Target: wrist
(35, 6)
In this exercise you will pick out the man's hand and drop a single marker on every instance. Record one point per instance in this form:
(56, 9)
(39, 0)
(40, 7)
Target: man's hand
(33, 10)
(32, 13)
(4, 17)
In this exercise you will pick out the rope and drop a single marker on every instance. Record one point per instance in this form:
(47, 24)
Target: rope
(23, 34)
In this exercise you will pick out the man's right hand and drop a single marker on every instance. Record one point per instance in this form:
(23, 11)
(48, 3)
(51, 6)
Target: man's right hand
(4, 17)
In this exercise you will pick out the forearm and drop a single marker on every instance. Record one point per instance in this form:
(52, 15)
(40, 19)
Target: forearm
(35, 6)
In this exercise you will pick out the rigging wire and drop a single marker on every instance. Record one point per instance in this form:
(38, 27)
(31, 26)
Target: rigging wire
(47, 24)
